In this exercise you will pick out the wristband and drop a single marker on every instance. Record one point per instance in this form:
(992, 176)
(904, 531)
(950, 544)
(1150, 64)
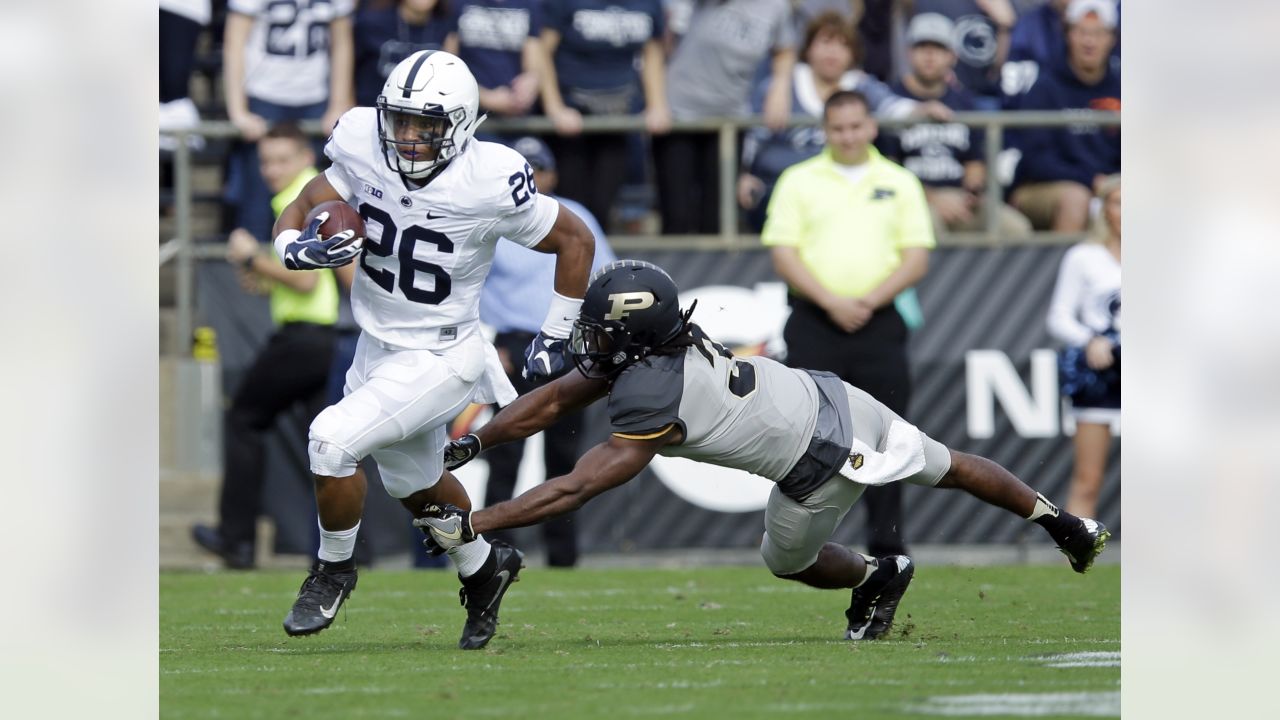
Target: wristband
(283, 239)
(560, 316)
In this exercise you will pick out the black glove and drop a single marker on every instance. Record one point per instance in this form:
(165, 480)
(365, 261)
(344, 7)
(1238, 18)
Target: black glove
(461, 451)
(545, 359)
(449, 525)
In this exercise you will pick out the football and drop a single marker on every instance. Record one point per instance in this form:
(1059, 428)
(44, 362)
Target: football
(341, 217)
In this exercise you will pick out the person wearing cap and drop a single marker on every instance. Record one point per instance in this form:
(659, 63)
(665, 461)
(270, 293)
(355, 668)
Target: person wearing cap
(947, 157)
(1060, 167)
(980, 41)
(514, 303)
(850, 233)
(1038, 41)
(828, 63)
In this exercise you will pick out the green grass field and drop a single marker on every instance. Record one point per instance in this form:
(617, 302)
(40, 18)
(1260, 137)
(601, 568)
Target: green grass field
(697, 643)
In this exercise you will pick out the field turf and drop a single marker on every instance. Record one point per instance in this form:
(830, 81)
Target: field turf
(1027, 641)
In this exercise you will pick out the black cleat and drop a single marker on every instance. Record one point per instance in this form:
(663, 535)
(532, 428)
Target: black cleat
(482, 598)
(319, 598)
(1085, 544)
(875, 601)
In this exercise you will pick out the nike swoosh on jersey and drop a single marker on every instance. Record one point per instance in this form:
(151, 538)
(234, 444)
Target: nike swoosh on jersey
(330, 611)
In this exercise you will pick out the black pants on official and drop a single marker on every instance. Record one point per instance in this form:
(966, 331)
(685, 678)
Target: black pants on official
(874, 359)
(292, 368)
(560, 443)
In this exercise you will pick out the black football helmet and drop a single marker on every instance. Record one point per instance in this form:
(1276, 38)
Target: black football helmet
(631, 308)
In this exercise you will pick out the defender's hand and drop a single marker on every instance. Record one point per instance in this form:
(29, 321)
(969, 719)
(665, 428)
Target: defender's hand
(449, 525)
(545, 359)
(461, 451)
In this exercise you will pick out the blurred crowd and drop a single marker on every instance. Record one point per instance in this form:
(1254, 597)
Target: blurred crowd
(269, 61)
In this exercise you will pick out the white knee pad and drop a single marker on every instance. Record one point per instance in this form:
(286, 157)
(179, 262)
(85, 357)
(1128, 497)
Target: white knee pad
(330, 460)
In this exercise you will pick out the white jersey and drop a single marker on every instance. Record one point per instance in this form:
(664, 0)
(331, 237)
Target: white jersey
(1086, 298)
(427, 251)
(287, 55)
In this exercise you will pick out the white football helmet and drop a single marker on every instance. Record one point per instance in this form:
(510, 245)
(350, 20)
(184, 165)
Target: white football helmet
(428, 110)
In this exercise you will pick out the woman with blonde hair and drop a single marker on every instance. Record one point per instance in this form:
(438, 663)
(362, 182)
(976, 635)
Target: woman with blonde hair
(1084, 315)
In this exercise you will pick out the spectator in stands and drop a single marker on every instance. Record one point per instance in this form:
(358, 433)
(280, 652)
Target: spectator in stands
(710, 76)
(829, 64)
(1060, 167)
(518, 289)
(499, 42)
(180, 24)
(948, 158)
(1038, 41)
(850, 231)
(1084, 316)
(980, 42)
(591, 51)
(387, 32)
(281, 60)
(292, 368)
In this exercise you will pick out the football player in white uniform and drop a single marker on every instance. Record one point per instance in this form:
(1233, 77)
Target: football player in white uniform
(434, 202)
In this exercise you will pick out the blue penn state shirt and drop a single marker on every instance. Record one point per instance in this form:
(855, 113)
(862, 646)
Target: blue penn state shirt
(1071, 153)
(518, 291)
(600, 39)
(491, 37)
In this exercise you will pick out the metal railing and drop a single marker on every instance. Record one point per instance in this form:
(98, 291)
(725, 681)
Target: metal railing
(184, 252)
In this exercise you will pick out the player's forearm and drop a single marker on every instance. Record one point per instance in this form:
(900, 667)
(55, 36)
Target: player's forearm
(600, 469)
(293, 217)
(529, 414)
(551, 498)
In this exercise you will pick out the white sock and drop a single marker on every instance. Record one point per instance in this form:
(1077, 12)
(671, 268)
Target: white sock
(337, 545)
(1043, 507)
(872, 566)
(469, 558)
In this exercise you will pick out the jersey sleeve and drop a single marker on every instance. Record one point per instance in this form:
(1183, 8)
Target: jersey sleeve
(353, 131)
(529, 225)
(504, 191)
(645, 400)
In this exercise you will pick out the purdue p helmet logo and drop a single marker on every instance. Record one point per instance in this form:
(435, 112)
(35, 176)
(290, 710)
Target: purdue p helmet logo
(623, 304)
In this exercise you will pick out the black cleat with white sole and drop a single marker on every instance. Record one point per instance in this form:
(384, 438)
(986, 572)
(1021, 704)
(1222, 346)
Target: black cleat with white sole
(322, 593)
(481, 598)
(1085, 544)
(876, 601)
